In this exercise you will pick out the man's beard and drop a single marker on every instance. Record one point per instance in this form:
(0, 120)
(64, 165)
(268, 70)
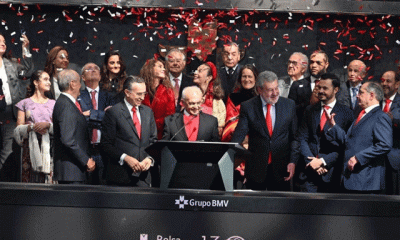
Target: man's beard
(319, 74)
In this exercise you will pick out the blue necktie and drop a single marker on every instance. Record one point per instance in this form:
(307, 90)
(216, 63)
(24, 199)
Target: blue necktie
(354, 98)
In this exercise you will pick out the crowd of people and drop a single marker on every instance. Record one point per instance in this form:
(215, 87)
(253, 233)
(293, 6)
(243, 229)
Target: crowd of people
(308, 131)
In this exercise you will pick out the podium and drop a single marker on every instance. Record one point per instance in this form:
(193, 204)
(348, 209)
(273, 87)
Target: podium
(196, 165)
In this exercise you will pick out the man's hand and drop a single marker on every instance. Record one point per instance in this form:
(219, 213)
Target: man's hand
(314, 96)
(146, 164)
(105, 109)
(133, 163)
(331, 119)
(352, 163)
(86, 113)
(91, 165)
(322, 170)
(290, 169)
(315, 163)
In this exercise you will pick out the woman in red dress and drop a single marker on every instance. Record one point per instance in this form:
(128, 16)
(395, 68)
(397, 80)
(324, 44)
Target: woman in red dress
(160, 95)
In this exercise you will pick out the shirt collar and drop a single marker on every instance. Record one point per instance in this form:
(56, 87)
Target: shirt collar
(172, 77)
(331, 105)
(234, 68)
(90, 90)
(392, 97)
(130, 106)
(368, 109)
(69, 96)
(301, 77)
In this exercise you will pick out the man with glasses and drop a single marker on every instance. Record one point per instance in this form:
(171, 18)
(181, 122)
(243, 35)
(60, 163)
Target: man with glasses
(128, 129)
(191, 124)
(94, 102)
(296, 68)
(176, 63)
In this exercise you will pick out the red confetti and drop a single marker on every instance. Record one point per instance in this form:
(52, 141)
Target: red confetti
(39, 32)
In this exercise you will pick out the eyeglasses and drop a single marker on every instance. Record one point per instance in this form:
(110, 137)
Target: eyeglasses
(292, 62)
(92, 69)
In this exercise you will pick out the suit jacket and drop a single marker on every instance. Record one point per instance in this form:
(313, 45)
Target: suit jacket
(186, 82)
(208, 128)
(16, 73)
(96, 116)
(300, 92)
(284, 86)
(119, 136)
(228, 82)
(282, 144)
(71, 141)
(313, 142)
(369, 141)
(394, 154)
(344, 98)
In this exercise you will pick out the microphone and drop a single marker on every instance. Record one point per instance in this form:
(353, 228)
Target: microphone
(194, 116)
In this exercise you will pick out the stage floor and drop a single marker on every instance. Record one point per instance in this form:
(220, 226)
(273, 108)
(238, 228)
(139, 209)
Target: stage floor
(36, 211)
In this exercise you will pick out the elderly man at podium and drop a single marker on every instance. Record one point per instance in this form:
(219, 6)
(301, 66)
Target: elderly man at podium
(191, 124)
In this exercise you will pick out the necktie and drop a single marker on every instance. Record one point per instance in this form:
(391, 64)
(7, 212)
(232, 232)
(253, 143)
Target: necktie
(317, 82)
(136, 122)
(176, 90)
(387, 105)
(359, 116)
(324, 117)
(268, 120)
(354, 98)
(94, 105)
(230, 70)
(78, 106)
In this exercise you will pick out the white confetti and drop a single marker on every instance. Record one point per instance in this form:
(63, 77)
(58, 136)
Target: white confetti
(13, 33)
(397, 41)
(231, 21)
(135, 56)
(94, 29)
(151, 39)
(87, 48)
(71, 34)
(390, 25)
(256, 25)
(102, 54)
(163, 50)
(56, 20)
(111, 42)
(84, 8)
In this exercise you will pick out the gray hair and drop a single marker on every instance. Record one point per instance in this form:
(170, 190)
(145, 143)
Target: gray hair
(186, 89)
(83, 68)
(304, 58)
(266, 76)
(375, 88)
(176, 50)
(65, 77)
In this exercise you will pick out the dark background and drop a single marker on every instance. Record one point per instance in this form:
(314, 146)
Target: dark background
(268, 38)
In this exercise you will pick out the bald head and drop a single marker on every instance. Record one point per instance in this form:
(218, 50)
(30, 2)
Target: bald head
(192, 98)
(356, 72)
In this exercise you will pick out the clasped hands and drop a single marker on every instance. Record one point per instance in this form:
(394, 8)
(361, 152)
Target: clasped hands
(317, 165)
(136, 165)
(40, 127)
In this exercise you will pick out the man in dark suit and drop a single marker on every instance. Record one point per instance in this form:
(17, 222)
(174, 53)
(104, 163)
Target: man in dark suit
(271, 123)
(367, 143)
(356, 72)
(94, 102)
(296, 68)
(302, 91)
(197, 126)
(390, 82)
(128, 128)
(71, 136)
(318, 154)
(229, 73)
(176, 63)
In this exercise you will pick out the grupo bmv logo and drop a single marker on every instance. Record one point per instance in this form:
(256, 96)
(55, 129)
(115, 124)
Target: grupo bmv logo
(181, 202)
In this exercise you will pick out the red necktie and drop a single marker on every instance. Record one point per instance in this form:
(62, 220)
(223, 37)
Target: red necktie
(324, 117)
(78, 106)
(191, 126)
(387, 105)
(136, 121)
(359, 116)
(94, 105)
(317, 82)
(268, 120)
